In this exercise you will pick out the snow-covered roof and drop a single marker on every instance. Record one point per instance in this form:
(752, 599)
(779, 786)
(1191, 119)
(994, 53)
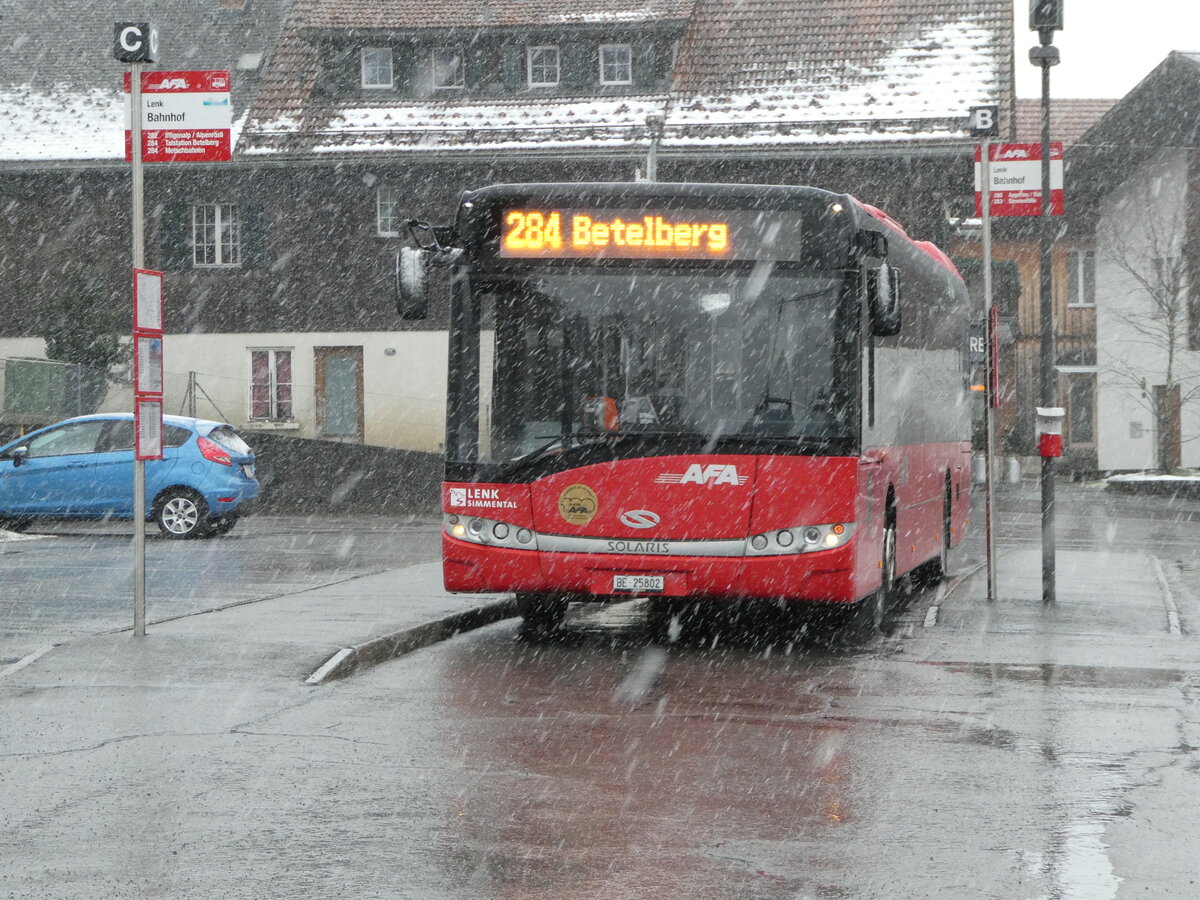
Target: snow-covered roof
(60, 88)
(394, 15)
(756, 73)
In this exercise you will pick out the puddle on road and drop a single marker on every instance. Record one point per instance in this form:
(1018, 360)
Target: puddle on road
(1065, 676)
(1076, 865)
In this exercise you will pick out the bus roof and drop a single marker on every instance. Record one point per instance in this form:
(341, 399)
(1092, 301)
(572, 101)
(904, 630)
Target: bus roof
(768, 194)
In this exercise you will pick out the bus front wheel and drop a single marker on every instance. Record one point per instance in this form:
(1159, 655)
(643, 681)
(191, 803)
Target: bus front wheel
(542, 615)
(880, 603)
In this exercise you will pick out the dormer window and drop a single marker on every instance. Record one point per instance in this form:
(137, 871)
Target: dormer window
(448, 69)
(377, 67)
(616, 64)
(542, 66)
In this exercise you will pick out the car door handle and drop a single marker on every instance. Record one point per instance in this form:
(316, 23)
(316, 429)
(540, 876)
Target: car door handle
(77, 465)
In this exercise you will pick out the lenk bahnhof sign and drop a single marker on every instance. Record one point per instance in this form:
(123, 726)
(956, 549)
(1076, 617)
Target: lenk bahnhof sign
(186, 117)
(1015, 177)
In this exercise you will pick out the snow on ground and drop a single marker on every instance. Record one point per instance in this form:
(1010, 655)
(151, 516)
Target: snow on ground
(1153, 477)
(13, 536)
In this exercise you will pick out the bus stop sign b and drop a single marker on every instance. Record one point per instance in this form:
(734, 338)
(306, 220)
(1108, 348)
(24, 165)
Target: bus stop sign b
(984, 121)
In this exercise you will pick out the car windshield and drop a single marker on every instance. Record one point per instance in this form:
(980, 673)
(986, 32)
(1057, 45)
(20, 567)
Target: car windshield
(753, 353)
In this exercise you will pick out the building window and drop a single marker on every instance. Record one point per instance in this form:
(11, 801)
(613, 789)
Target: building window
(448, 69)
(1081, 408)
(1081, 277)
(543, 66)
(376, 67)
(616, 64)
(271, 384)
(216, 235)
(387, 220)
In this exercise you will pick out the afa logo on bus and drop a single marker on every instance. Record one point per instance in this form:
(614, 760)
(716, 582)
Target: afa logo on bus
(711, 474)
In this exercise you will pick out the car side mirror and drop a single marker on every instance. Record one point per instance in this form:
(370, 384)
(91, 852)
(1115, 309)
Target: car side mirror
(883, 300)
(17, 455)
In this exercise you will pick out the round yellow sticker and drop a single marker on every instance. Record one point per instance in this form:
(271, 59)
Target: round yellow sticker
(578, 504)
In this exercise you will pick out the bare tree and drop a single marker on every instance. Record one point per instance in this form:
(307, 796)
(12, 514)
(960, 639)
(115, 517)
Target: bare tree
(1147, 247)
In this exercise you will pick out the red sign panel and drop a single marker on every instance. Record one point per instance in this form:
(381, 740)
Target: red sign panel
(186, 117)
(147, 363)
(1015, 177)
(147, 300)
(147, 428)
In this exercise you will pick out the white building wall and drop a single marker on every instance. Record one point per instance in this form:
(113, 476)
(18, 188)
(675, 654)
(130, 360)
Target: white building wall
(404, 381)
(1127, 436)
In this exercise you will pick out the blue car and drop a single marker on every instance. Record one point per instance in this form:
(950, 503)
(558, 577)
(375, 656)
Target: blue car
(83, 469)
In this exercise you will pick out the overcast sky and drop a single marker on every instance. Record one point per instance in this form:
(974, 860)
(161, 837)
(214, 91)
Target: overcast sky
(1107, 46)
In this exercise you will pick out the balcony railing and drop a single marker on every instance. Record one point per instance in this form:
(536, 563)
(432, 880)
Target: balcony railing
(1074, 350)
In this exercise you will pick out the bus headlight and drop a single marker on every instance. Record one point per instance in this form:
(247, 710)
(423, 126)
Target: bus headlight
(801, 539)
(490, 533)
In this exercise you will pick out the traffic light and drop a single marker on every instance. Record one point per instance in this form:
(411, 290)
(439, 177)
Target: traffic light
(1046, 15)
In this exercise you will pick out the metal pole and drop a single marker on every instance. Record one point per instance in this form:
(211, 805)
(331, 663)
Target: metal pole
(1048, 373)
(139, 466)
(655, 124)
(989, 423)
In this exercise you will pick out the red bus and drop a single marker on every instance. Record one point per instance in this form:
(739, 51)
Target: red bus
(696, 393)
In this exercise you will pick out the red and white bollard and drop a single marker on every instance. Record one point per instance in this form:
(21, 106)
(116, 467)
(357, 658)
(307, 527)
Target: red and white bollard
(1049, 430)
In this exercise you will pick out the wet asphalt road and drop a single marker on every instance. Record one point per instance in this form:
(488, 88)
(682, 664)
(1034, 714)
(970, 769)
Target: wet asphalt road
(79, 580)
(776, 762)
(847, 766)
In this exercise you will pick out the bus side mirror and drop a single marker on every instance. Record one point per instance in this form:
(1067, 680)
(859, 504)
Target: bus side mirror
(872, 244)
(412, 283)
(883, 299)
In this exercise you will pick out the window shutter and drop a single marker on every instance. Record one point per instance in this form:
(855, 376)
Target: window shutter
(404, 69)
(576, 66)
(644, 57)
(256, 250)
(175, 236)
(346, 66)
(514, 67)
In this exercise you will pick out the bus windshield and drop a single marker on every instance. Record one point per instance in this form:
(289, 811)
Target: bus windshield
(765, 353)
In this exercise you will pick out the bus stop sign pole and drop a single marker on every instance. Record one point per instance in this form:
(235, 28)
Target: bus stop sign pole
(1046, 17)
(136, 43)
(985, 124)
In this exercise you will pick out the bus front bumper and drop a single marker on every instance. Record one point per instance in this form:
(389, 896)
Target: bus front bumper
(827, 576)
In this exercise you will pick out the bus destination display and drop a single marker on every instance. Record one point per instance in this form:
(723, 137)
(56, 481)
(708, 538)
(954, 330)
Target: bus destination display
(637, 233)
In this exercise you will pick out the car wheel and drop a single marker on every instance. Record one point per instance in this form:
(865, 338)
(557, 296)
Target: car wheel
(180, 513)
(15, 524)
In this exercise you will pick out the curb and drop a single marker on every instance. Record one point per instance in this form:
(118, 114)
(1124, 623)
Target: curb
(350, 660)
